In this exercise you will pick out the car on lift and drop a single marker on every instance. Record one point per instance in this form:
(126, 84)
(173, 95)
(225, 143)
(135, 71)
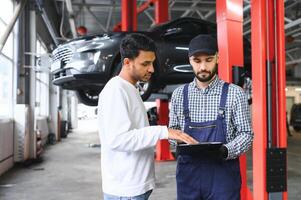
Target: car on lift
(87, 63)
(295, 119)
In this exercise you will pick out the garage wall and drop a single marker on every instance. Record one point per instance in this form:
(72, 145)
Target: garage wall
(294, 92)
(6, 145)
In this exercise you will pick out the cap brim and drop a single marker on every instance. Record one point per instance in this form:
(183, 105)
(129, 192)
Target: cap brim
(206, 51)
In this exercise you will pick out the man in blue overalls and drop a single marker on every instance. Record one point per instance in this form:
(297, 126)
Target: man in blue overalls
(210, 110)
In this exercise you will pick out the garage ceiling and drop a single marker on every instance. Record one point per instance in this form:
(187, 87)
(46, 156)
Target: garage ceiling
(102, 15)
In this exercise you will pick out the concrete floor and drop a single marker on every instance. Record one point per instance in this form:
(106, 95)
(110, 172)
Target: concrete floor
(70, 170)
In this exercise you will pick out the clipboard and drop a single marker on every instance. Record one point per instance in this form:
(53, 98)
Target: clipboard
(203, 148)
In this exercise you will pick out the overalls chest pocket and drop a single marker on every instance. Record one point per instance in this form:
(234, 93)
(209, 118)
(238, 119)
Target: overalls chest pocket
(203, 132)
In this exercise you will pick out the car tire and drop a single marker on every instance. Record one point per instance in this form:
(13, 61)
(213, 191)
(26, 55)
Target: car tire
(145, 89)
(297, 128)
(86, 98)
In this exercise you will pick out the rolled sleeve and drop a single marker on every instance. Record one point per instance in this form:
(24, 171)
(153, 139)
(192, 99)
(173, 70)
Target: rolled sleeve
(242, 127)
(174, 112)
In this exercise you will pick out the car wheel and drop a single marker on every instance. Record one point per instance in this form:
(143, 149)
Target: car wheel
(297, 128)
(89, 98)
(145, 88)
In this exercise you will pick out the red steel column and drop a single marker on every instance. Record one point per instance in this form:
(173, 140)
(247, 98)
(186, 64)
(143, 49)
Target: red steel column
(259, 57)
(229, 15)
(162, 148)
(161, 11)
(128, 15)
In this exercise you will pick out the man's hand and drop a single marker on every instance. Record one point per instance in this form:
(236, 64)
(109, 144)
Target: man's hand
(180, 136)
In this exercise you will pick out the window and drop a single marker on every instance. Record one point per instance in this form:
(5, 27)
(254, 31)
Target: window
(5, 86)
(6, 10)
(6, 61)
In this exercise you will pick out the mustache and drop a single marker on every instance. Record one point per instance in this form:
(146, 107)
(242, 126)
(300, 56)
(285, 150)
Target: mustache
(204, 71)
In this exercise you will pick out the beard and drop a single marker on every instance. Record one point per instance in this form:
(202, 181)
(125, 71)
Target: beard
(205, 75)
(141, 77)
(144, 78)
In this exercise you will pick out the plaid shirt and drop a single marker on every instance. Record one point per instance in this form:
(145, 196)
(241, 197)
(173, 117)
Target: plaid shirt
(203, 106)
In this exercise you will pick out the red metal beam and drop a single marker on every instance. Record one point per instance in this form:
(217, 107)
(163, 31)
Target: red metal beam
(128, 15)
(145, 6)
(161, 11)
(259, 57)
(140, 9)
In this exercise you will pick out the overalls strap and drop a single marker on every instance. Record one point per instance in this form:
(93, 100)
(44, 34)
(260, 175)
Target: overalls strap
(221, 109)
(185, 103)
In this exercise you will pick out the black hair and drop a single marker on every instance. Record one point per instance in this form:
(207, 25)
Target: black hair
(133, 43)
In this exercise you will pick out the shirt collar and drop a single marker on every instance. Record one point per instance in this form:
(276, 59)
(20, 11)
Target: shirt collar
(211, 85)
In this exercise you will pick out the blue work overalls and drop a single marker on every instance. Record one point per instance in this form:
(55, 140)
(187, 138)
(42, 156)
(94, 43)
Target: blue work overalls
(204, 177)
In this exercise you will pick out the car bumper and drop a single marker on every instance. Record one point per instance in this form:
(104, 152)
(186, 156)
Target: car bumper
(75, 81)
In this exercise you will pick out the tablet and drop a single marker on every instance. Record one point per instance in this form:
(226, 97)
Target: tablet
(199, 149)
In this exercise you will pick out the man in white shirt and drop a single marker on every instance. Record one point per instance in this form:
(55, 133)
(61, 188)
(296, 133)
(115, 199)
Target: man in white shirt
(127, 140)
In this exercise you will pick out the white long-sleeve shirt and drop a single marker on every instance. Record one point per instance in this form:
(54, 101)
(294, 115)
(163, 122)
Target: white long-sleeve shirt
(127, 140)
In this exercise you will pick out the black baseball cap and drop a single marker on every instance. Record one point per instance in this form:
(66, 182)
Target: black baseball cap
(203, 43)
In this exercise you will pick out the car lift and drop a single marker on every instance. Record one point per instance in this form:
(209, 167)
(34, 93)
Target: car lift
(269, 109)
(268, 77)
